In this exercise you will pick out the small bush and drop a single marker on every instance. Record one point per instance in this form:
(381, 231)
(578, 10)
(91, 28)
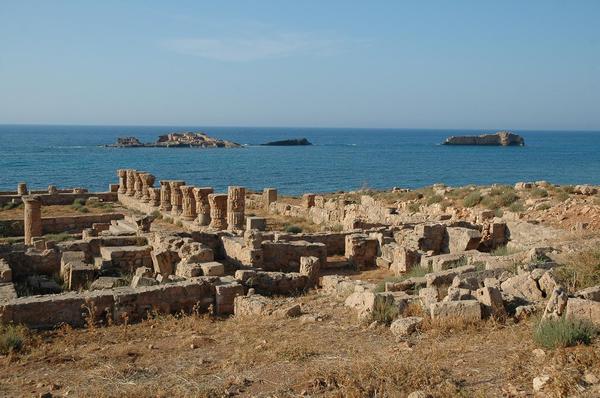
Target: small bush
(472, 199)
(539, 193)
(562, 196)
(156, 214)
(434, 199)
(507, 198)
(502, 251)
(516, 207)
(12, 338)
(544, 206)
(563, 332)
(79, 202)
(293, 229)
(60, 237)
(385, 310)
(11, 205)
(580, 270)
(414, 207)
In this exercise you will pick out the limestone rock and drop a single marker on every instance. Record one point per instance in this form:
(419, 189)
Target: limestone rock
(523, 286)
(556, 304)
(466, 310)
(462, 239)
(590, 293)
(403, 327)
(491, 301)
(584, 309)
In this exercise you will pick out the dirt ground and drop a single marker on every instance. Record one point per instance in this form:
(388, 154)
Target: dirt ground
(325, 352)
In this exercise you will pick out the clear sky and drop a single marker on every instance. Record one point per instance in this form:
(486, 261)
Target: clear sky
(414, 64)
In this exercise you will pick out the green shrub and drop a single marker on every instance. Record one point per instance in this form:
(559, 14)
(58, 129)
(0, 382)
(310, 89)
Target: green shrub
(516, 207)
(60, 237)
(507, 198)
(434, 199)
(563, 332)
(544, 206)
(12, 338)
(11, 205)
(385, 310)
(79, 202)
(414, 207)
(539, 193)
(502, 251)
(293, 229)
(472, 199)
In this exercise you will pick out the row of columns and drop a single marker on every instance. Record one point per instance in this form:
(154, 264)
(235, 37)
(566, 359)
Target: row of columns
(198, 204)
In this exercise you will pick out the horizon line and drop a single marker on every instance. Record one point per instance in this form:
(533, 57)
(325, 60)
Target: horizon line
(291, 127)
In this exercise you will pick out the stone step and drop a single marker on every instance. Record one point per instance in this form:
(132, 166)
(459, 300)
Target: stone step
(110, 253)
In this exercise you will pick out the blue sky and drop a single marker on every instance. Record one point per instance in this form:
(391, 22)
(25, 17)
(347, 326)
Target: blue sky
(414, 64)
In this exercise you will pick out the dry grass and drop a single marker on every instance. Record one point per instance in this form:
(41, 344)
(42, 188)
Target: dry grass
(581, 270)
(60, 210)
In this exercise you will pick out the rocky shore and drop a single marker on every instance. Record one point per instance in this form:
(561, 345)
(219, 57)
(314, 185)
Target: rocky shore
(176, 140)
(500, 138)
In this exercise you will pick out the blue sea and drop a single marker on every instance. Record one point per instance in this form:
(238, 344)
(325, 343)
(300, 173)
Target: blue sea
(340, 159)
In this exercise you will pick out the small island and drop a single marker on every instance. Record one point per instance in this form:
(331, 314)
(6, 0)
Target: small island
(292, 142)
(500, 138)
(176, 140)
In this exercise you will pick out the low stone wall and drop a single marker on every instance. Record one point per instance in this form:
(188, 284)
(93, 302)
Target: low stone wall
(285, 256)
(65, 198)
(117, 305)
(51, 225)
(335, 241)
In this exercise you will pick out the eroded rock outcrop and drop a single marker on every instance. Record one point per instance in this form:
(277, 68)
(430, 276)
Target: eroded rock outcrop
(501, 138)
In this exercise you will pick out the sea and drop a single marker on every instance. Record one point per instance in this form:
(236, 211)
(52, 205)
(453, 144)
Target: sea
(341, 159)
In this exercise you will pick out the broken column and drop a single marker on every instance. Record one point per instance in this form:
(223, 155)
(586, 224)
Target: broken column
(165, 195)
(202, 205)
(52, 190)
(154, 194)
(138, 185)
(218, 210)
(236, 204)
(176, 197)
(188, 203)
(122, 173)
(269, 196)
(130, 182)
(32, 218)
(22, 189)
(147, 183)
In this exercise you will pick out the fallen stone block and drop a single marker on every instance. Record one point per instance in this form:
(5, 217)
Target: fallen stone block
(5, 272)
(188, 270)
(310, 267)
(108, 282)
(466, 310)
(590, 293)
(213, 268)
(523, 286)
(462, 239)
(139, 281)
(403, 327)
(584, 309)
(491, 302)
(80, 276)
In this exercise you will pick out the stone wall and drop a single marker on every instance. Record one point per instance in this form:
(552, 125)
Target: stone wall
(51, 225)
(335, 241)
(117, 305)
(285, 256)
(60, 198)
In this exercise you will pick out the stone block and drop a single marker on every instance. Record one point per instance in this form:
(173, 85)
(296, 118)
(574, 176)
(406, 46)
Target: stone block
(466, 310)
(403, 327)
(80, 276)
(310, 266)
(462, 239)
(584, 309)
(213, 268)
(5, 271)
(590, 293)
(259, 223)
(188, 270)
(361, 250)
(224, 297)
(491, 302)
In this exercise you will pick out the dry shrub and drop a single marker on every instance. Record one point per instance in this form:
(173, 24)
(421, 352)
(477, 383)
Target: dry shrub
(567, 369)
(378, 377)
(451, 325)
(563, 332)
(581, 270)
(12, 338)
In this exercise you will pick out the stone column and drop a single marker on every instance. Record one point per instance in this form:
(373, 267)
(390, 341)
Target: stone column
(22, 189)
(188, 202)
(218, 211)
(176, 197)
(52, 190)
(236, 205)
(269, 196)
(130, 182)
(147, 183)
(165, 195)
(138, 185)
(202, 205)
(122, 173)
(154, 194)
(32, 218)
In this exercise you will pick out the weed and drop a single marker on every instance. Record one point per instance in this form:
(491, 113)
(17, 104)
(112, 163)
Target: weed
(434, 199)
(539, 193)
(12, 338)
(580, 270)
(384, 310)
(563, 332)
(502, 251)
(516, 207)
(293, 229)
(414, 207)
(472, 199)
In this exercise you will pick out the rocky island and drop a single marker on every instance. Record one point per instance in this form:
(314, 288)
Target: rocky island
(176, 140)
(292, 142)
(500, 138)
